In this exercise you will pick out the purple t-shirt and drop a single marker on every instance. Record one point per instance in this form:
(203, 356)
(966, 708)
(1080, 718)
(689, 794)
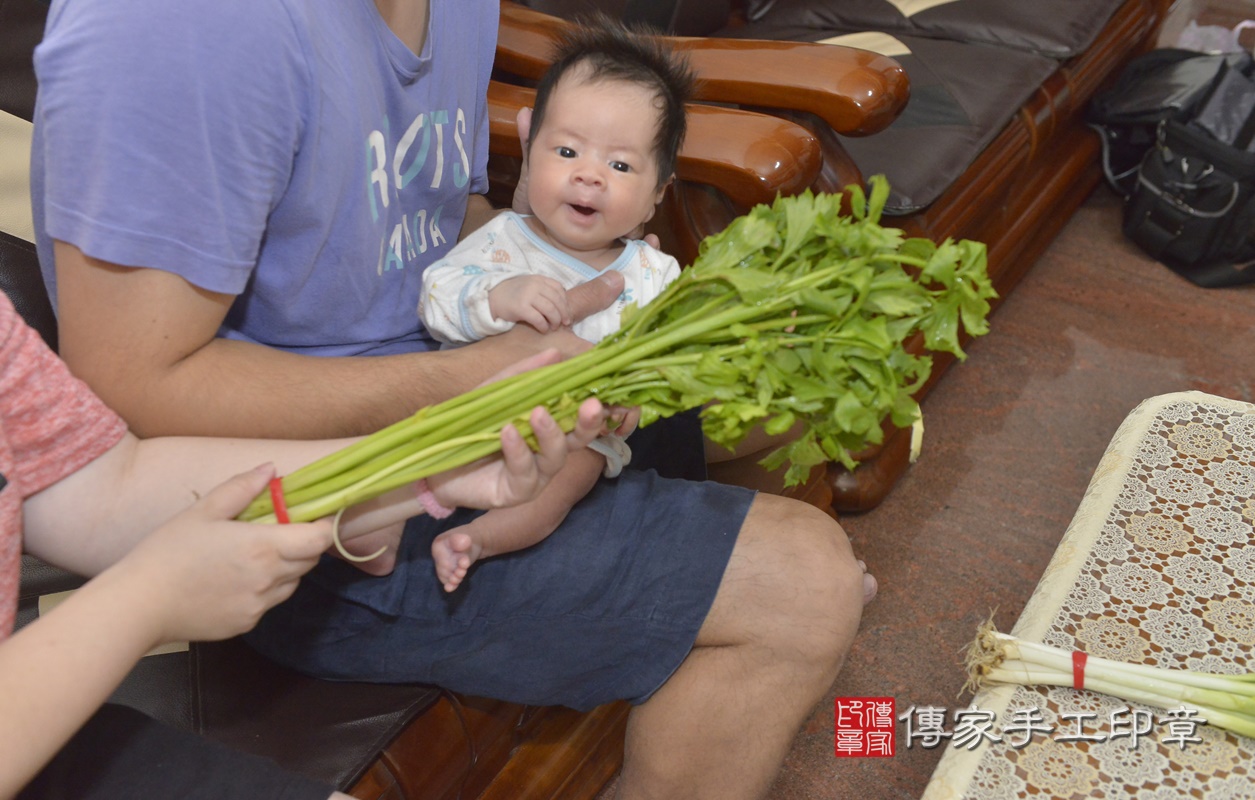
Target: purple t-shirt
(292, 152)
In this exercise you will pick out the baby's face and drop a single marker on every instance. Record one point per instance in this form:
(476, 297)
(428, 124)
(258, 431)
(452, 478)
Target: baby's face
(592, 172)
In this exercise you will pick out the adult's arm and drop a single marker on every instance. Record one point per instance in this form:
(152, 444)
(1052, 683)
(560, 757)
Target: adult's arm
(202, 576)
(146, 341)
(90, 519)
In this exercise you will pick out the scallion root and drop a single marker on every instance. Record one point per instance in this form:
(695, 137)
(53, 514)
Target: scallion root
(1223, 701)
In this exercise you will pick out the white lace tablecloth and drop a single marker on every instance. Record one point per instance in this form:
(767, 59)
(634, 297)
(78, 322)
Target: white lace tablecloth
(1157, 567)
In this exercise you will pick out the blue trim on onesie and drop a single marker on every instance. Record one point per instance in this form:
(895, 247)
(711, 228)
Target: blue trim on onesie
(630, 247)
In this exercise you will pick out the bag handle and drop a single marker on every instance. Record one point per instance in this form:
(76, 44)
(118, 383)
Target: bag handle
(1186, 208)
(1113, 179)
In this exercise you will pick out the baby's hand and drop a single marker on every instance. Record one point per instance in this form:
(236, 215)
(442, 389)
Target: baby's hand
(540, 302)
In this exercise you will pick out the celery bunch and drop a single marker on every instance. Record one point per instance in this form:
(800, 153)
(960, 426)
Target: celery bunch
(794, 313)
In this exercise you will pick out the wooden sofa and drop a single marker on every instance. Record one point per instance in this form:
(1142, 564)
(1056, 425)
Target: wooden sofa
(992, 145)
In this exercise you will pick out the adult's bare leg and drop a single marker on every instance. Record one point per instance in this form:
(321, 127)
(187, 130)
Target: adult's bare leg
(781, 625)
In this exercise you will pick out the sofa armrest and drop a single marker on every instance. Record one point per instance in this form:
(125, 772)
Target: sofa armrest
(856, 92)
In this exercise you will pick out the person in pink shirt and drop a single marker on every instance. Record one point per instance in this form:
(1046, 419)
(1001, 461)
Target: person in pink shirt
(153, 521)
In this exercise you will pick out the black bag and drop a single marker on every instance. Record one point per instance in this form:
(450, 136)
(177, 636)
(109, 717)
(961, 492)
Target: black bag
(1178, 135)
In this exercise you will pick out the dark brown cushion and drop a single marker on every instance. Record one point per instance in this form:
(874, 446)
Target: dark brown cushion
(962, 95)
(21, 281)
(1059, 28)
(225, 691)
(677, 17)
(21, 28)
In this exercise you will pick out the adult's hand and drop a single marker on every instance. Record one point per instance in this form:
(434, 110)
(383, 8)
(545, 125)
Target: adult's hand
(596, 295)
(521, 204)
(208, 576)
(523, 341)
(514, 477)
(519, 474)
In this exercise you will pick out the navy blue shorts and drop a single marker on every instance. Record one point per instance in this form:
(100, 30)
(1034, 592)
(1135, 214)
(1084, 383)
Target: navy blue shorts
(605, 608)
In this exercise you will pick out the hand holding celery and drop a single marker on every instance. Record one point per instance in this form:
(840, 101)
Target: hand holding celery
(1224, 701)
(793, 313)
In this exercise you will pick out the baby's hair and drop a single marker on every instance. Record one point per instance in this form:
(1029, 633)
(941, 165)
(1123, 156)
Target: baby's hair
(614, 51)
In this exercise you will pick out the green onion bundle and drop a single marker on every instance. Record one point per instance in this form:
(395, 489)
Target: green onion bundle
(1223, 701)
(795, 313)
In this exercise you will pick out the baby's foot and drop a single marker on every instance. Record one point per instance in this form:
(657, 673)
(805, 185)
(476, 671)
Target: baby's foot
(869, 584)
(454, 552)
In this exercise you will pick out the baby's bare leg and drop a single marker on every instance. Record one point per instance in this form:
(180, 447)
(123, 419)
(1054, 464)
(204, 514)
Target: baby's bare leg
(505, 530)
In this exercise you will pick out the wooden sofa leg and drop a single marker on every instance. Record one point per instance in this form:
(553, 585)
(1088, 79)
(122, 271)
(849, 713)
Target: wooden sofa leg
(866, 486)
(508, 752)
(567, 754)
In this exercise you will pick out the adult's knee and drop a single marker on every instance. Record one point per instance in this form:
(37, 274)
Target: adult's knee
(829, 583)
(809, 567)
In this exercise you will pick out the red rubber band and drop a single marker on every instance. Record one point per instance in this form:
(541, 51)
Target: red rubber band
(276, 497)
(1078, 669)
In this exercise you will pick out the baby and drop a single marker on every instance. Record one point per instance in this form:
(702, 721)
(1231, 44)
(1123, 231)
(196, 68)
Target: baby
(604, 136)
